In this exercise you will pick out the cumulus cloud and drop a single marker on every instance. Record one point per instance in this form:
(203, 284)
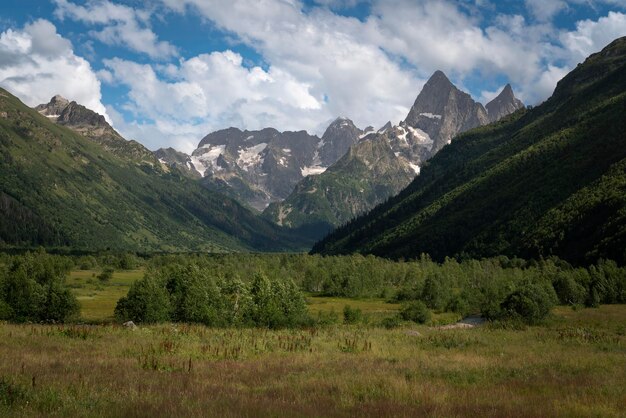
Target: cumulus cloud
(209, 91)
(121, 25)
(318, 64)
(591, 36)
(322, 64)
(324, 50)
(545, 10)
(37, 63)
(339, 55)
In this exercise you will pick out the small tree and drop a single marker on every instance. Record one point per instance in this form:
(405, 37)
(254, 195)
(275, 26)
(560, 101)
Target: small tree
(147, 301)
(416, 311)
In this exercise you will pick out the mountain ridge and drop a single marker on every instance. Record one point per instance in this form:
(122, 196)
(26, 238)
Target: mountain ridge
(59, 188)
(496, 190)
(410, 145)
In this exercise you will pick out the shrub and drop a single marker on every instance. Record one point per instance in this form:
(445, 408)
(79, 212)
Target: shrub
(433, 294)
(416, 311)
(106, 275)
(569, 291)
(276, 303)
(530, 304)
(459, 305)
(190, 293)
(391, 322)
(352, 316)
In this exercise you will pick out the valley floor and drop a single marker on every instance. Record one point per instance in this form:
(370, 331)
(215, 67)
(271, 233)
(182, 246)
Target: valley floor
(573, 365)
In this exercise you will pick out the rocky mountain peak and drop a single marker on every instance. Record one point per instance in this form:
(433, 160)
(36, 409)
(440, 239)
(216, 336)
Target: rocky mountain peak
(337, 139)
(75, 114)
(504, 104)
(387, 126)
(54, 107)
(94, 126)
(173, 158)
(439, 80)
(442, 111)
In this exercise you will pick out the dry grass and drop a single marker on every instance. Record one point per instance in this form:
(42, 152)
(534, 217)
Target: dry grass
(573, 366)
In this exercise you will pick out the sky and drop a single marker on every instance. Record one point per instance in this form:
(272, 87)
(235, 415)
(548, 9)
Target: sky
(168, 72)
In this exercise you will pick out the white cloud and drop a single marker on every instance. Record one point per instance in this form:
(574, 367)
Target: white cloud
(545, 10)
(325, 51)
(36, 63)
(322, 64)
(211, 91)
(122, 25)
(591, 36)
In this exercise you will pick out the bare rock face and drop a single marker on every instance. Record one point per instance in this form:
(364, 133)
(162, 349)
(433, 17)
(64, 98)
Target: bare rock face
(503, 105)
(264, 166)
(442, 111)
(338, 138)
(54, 108)
(76, 115)
(176, 159)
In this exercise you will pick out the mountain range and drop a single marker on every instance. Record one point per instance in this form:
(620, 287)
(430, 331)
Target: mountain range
(493, 180)
(68, 179)
(264, 166)
(303, 181)
(546, 181)
(383, 162)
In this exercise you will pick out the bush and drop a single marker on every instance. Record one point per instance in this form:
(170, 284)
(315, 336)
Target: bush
(433, 294)
(529, 304)
(352, 316)
(276, 303)
(459, 305)
(569, 291)
(416, 311)
(392, 322)
(106, 275)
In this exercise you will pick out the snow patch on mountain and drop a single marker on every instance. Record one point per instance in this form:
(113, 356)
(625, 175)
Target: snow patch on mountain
(251, 156)
(430, 115)
(421, 136)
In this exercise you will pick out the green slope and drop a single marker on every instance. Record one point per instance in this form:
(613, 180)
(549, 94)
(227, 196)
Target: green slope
(548, 181)
(60, 189)
(368, 174)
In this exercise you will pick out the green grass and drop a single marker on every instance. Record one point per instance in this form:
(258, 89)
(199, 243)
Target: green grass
(571, 366)
(367, 306)
(97, 300)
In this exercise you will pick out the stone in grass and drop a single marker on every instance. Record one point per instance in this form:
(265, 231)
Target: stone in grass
(130, 325)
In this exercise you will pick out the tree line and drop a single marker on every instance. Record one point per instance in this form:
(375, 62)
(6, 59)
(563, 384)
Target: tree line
(270, 290)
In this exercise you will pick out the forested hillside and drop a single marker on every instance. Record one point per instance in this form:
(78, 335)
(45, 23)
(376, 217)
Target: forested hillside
(60, 189)
(547, 181)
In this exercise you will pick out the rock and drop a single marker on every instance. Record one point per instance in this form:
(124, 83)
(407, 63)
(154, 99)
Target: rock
(503, 105)
(130, 325)
(442, 111)
(338, 138)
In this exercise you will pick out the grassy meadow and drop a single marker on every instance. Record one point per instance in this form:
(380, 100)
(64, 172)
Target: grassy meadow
(573, 364)
(97, 300)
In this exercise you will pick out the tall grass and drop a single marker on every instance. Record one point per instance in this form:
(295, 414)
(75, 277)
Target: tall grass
(572, 365)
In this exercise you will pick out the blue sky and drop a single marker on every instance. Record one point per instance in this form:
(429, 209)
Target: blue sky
(167, 72)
